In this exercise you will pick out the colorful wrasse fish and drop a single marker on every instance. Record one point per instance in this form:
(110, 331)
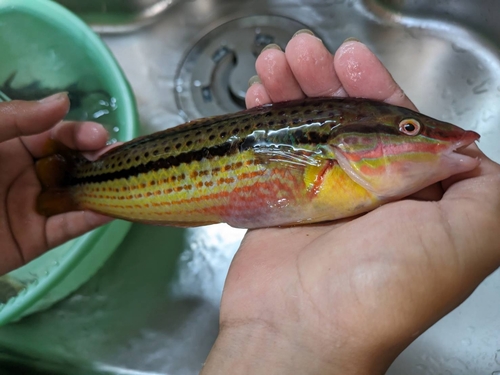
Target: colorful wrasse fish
(313, 160)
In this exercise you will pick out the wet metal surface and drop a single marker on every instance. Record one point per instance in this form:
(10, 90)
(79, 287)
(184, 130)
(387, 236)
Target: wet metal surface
(153, 308)
(117, 16)
(213, 78)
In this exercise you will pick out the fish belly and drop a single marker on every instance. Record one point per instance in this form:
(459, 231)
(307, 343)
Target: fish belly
(237, 190)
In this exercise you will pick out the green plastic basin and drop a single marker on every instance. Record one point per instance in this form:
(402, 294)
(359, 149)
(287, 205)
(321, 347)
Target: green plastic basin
(44, 48)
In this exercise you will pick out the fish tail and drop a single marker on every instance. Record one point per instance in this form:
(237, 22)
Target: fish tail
(55, 173)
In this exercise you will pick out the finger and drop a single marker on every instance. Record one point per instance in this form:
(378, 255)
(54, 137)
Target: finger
(61, 228)
(256, 94)
(33, 233)
(313, 66)
(25, 226)
(94, 155)
(10, 259)
(20, 118)
(276, 76)
(363, 75)
(83, 136)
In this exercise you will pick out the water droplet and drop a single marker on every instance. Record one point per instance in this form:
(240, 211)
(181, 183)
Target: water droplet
(446, 93)
(470, 80)
(466, 342)
(111, 141)
(457, 363)
(421, 368)
(100, 113)
(481, 88)
(462, 110)
(457, 48)
(487, 114)
(197, 83)
(116, 129)
(101, 298)
(178, 88)
(497, 357)
(413, 32)
(77, 298)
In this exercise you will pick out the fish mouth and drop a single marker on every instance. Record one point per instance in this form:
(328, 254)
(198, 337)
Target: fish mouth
(468, 138)
(457, 159)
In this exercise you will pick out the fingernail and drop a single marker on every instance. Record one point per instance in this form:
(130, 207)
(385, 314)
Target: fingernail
(54, 98)
(351, 39)
(303, 31)
(271, 46)
(254, 79)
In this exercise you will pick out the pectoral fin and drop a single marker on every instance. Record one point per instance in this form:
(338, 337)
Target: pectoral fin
(293, 157)
(314, 175)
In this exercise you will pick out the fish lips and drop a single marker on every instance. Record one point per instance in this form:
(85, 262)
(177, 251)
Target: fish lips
(457, 157)
(467, 139)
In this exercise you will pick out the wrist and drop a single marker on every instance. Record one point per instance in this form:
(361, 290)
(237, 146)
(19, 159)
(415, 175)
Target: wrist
(259, 349)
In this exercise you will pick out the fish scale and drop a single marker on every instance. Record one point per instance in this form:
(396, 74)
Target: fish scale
(207, 134)
(287, 163)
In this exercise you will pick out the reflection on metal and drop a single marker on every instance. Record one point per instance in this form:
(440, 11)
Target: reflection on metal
(117, 16)
(213, 77)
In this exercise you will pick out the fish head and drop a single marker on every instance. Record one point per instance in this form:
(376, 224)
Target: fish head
(402, 152)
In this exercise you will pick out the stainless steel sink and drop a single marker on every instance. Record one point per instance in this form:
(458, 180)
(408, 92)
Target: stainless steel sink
(117, 16)
(153, 308)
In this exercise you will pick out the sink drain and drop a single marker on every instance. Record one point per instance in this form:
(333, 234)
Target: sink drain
(213, 77)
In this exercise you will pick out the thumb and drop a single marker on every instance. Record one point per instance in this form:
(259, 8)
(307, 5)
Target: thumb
(20, 118)
(471, 205)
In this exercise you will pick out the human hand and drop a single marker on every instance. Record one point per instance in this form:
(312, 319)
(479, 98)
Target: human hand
(347, 298)
(25, 128)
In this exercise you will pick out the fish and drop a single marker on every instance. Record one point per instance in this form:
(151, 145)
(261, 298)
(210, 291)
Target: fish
(282, 164)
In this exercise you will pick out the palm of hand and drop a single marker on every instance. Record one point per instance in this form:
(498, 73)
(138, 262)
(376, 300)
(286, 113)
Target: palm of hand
(374, 282)
(21, 230)
(24, 233)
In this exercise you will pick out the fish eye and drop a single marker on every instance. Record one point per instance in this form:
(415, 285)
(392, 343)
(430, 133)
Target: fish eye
(409, 126)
